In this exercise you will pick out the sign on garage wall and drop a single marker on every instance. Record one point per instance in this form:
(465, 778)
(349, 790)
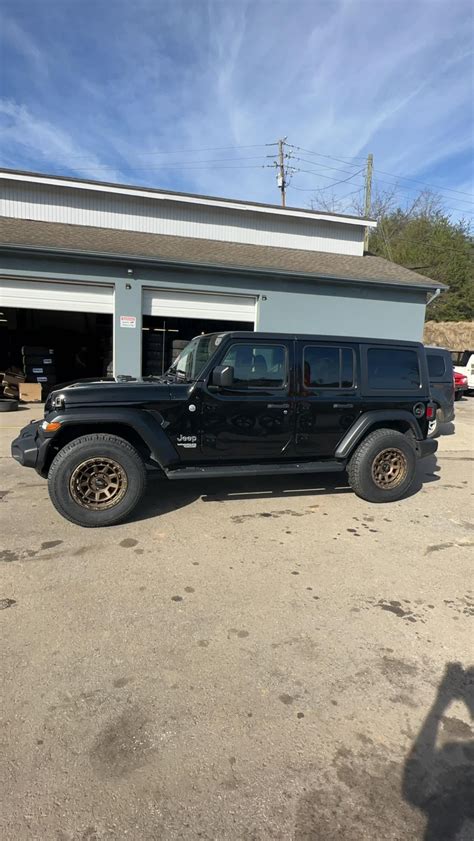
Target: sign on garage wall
(128, 321)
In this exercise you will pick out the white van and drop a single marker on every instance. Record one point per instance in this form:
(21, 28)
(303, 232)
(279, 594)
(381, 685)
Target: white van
(463, 361)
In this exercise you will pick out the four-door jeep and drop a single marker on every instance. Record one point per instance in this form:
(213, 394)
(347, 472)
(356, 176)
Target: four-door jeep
(237, 404)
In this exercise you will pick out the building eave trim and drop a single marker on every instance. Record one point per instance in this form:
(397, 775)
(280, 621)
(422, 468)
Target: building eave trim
(130, 260)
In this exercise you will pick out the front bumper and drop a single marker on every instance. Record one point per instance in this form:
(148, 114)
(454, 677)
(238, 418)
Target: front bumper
(427, 447)
(30, 448)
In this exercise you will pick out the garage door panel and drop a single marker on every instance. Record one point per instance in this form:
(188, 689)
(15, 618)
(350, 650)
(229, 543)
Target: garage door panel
(65, 297)
(198, 305)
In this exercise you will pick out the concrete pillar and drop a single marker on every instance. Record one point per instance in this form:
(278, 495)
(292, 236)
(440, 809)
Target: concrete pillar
(128, 327)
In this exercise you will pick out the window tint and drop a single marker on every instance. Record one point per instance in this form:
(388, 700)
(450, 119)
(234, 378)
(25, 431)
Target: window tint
(393, 368)
(436, 364)
(328, 367)
(255, 366)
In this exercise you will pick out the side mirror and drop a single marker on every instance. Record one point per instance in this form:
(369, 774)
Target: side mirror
(223, 376)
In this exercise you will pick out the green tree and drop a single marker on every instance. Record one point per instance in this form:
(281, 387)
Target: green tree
(422, 236)
(425, 239)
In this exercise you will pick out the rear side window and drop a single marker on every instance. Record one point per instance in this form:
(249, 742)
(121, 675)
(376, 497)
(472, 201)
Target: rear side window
(393, 368)
(436, 365)
(328, 367)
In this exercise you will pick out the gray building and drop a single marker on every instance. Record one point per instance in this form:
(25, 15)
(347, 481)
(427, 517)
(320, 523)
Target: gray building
(118, 277)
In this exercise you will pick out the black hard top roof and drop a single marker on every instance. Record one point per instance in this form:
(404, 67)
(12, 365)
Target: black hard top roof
(313, 337)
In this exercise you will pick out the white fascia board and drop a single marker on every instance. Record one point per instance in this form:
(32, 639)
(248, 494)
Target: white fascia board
(96, 187)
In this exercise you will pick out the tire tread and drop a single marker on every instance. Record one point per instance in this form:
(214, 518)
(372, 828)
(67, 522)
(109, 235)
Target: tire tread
(91, 439)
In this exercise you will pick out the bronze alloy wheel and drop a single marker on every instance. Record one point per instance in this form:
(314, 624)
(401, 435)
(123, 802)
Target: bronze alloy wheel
(389, 469)
(98, 484)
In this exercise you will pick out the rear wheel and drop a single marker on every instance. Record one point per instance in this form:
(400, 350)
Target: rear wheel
(383, 467)
(97, 480)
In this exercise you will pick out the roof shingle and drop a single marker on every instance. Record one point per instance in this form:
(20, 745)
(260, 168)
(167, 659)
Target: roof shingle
(55, 236)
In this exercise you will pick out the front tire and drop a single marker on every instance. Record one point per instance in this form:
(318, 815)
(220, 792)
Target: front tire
(97, 480)
(383, 467)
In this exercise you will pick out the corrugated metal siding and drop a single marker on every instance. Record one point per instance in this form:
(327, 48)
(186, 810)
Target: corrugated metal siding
(73, 207)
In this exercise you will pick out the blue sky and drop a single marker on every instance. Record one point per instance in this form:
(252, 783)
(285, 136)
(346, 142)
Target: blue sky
(126, 90)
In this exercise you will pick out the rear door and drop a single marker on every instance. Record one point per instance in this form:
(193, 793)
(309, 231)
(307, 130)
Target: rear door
(327, 400)
(253, 418)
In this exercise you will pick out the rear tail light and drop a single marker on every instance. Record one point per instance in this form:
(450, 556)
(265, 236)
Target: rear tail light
(430, 412)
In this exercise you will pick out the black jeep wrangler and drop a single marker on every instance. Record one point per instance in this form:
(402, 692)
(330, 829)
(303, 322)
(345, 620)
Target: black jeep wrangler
(237, 404)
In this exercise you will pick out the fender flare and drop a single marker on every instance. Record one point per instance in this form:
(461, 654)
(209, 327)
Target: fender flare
(363, 424)
(148, 424)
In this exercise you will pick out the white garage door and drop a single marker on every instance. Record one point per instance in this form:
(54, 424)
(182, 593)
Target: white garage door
(48, 295)
(169, 303)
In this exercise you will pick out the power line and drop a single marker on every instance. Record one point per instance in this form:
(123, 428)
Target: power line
(410, 198)
(185, 168)
(331, 157)
(315, 163)
(320, 175)
(347, 161)
(424, 183)
(380, 180)
(407, 187)
(183, 151)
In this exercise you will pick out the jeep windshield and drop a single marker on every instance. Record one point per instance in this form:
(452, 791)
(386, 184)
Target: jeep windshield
(193, 358)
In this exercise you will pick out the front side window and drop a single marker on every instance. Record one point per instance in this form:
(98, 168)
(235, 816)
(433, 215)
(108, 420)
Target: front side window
(393, 368)
(258, 366)
(328, 367)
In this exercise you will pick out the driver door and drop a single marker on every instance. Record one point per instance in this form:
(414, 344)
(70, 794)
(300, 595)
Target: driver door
(252, 418)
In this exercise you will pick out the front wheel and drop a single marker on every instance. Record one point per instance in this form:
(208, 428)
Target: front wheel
(96, 480)
(383, 467)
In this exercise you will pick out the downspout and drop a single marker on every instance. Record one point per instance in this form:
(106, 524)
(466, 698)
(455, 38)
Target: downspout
(433, 297)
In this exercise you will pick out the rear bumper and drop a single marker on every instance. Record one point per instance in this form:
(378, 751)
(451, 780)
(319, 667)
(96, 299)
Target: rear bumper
(426, 447)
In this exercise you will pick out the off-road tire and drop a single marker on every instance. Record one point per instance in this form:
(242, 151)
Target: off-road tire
(361, 466)
(8, 404)
(96, 446)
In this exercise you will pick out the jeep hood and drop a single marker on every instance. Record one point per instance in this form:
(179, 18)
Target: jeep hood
(110, 391)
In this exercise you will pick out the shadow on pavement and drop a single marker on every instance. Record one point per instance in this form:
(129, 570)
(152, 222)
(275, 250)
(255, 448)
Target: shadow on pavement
(370, 794)
(439, 780)
(163, 496)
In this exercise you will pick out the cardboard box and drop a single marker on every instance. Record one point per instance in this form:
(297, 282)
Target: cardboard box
(30, 392)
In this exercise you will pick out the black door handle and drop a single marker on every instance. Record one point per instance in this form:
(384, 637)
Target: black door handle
(343, 405)
(278, 405)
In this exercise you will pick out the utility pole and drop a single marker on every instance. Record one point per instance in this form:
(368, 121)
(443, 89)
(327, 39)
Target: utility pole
(368, 196)
(281, 178)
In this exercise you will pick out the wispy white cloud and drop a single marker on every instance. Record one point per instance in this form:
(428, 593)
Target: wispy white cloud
(341, 77)
(24, 133)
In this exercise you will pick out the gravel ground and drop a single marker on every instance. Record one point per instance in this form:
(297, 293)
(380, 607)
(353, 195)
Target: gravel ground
(245, 660)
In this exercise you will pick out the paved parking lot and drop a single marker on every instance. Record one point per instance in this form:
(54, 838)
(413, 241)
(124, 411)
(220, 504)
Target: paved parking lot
(245, 660)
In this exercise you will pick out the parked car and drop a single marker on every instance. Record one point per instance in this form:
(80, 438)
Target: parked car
(440, 370)
(464, 364)
(238, 404)
(460, 385)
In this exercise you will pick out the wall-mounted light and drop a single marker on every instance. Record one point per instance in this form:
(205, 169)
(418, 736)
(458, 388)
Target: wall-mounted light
(128, 286)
